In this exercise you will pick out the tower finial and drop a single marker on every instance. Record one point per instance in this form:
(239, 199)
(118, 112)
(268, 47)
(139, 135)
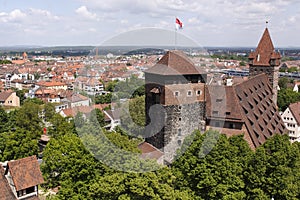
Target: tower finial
(267, 22)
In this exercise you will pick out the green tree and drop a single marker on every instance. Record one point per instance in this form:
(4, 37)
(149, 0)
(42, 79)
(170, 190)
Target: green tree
(110, 86)
(60, 126)
(292, 69)
(100, 117)
(27, 117)
(273, 171)
(49, 110)
(286, 97)
(4, 62)
(17, 143)
(134, 121)
(213, 166)
(79, 120)
(101, 99)
(242, 63)
(283, 83)
(150, 185)
(34, 100)
(3, 120)
(69, 164)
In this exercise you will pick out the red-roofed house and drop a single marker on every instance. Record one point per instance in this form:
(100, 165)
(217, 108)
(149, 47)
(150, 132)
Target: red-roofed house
(9, 98)
(53, 85)
(71, 112)
(24, 176)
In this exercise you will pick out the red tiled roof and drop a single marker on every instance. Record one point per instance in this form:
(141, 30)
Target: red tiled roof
(295, 109)
(265, 51)
(104, 105)
(259, 112)
(71, 112)
(174, 63)
(50, 84)
(223, 100)
(249, 102)
(5, 94)
(5, 190)
(149, 151)
(25, 172)
(77, 97)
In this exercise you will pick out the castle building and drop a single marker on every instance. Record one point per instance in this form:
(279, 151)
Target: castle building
(266, 60)
(178, 101)
(176, 85)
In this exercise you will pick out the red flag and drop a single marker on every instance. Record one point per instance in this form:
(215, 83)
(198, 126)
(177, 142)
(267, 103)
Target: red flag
(178, 23)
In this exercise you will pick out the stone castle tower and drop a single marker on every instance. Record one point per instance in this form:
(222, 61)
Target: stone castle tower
(266, 60)
(175, 102)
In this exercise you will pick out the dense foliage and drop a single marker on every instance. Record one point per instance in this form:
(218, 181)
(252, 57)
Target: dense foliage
(4, 62)
(230, 57)
(20, 131)
(213, 167)
(133, 116)
(286, 97)
(130, 88)
(283, 82)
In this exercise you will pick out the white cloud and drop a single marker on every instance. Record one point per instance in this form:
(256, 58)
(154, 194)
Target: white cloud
(124, 21)
(42, 13)
(84, 12)
(209, 21)
(27, 15)
(13, 16)
(193, 20)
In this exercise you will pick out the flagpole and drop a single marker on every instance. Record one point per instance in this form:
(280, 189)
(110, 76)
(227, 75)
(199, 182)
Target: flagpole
(175, 38)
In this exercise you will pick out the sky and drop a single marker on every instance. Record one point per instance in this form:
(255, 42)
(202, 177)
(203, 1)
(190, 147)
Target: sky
(225, 23)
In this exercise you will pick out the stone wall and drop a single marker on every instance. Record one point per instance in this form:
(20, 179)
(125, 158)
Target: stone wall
(181, 121)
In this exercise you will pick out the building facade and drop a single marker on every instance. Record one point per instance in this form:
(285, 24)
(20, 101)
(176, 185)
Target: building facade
(291, 119)
(175, 102)
(9, 98)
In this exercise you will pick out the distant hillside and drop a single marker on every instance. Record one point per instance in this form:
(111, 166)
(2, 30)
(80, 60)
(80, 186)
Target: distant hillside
(293, 53)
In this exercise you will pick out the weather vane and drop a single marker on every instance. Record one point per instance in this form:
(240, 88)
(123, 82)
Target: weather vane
(267, 23)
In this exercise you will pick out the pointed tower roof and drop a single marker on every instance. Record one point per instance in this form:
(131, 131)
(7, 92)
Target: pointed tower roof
(174, 63)
(265, 51)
